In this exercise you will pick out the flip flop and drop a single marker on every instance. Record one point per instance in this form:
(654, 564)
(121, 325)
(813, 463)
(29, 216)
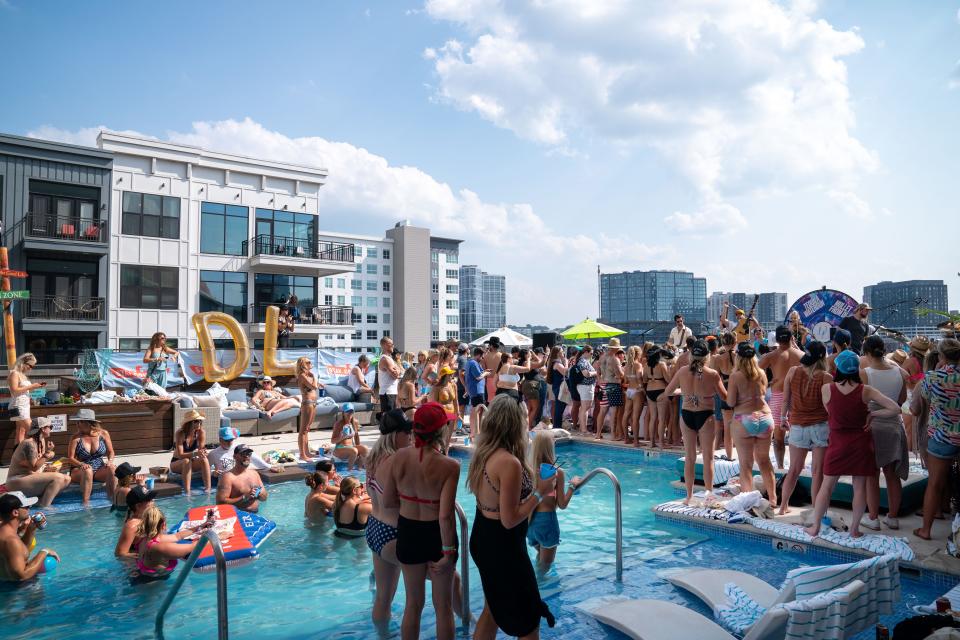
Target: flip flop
(916, 533)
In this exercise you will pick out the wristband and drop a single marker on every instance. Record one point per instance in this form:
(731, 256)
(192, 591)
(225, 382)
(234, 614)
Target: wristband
(450, 553)
(448, 548)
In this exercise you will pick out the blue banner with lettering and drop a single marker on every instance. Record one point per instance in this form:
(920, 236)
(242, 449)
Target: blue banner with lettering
(822, 310)
(126, 369)
(193, 363)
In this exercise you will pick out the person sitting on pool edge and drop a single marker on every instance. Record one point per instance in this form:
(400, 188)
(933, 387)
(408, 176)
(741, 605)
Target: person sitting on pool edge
(16, 565)
(221, 458)
(29, 471)
(138, 498)
(242, 486)
(346, 438)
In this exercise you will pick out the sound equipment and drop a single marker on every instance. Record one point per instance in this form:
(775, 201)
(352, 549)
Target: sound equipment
(546, 339)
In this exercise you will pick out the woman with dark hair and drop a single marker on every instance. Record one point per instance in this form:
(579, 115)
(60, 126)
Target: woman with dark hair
(318, 502)
(889, 438)
(189, 451)
(850, 451)
(508, 376)
(156, 358)
(656, 375)
(583, 377)
(941, 390)
(503, 483)
(723, 363)
(556, 372)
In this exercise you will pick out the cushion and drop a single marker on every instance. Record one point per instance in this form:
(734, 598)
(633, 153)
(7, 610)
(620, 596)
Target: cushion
(286, 414)
(339, 393)
(186, 402)
(363, 406)
(206, 401)
(242, 414)
(237, 395)
(326, 409)
(293, 392)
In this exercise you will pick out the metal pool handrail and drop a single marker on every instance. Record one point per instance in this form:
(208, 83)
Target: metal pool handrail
(619, 513)
(464, 568)
(210, 537)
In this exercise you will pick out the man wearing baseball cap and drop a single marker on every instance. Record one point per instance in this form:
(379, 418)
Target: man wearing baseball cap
(138, 499)
(857, 325)
(16, 565)
(241, 486)
(221, 458)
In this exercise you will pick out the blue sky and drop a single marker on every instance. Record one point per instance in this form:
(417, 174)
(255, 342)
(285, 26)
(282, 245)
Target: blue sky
(767, 146)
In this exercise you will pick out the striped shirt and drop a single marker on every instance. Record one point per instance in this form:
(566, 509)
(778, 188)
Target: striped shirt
(941, 388)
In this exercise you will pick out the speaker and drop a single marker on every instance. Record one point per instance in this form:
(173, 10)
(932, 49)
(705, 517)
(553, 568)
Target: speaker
(546, 340)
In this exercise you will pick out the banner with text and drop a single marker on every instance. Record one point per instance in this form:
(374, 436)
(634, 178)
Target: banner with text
(127, 369)
(821, 310)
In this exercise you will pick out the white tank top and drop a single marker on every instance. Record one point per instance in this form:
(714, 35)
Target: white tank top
(886, 381)
(388, 383)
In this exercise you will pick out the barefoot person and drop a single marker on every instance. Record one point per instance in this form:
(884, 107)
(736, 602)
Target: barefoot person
(699, 383)
(16, 565)
(241, 486)
(805, 419)
(634, 399)
(850, 452)
(780, 361)
(270, 401)
(309, 394)
(655, 377)
(752, 422)
(190, 451)
(90, 453)
(20, 388)
(611, 377)
(346, 438)
(29, 470)
(156, 356)
(543, 533)
(723, 363)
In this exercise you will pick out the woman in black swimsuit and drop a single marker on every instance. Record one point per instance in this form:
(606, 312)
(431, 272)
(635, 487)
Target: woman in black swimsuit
(189, 451)
(425, 486)
(699, 384)
(503, 483)
(655, 381)
(723, 363)
(352, 499)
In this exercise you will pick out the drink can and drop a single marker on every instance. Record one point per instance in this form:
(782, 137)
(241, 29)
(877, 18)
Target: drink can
(40, 520)
(943, 604)
(149, 483)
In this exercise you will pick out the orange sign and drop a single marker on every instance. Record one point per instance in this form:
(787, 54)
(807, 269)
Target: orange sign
(10, 273)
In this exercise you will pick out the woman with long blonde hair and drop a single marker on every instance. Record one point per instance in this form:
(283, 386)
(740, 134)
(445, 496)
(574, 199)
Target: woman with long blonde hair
(634, 400)
(158, 551)
(503, 483)
(156, 358)
(752, 420)
(309, 394)
(543, 533)
(20, 388)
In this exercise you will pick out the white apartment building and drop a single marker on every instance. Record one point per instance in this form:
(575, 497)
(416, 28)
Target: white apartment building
(445, 289)
(197, 230)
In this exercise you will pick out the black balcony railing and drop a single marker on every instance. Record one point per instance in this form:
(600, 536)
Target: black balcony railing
(319, 315)
(37, 225)
(64, 308)
(270, 245)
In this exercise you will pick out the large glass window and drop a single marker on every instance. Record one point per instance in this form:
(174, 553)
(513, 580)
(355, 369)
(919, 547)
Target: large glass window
(386, 254)
(296, 232)
(371, 285)
(372, 269)
(144, 287)
(356, 285)
(386, 269)
(386, 286)
(371, 318)
(150, 215)
(328, 283)
(224, 291)
(269, 288)
(371, 302)
(223, 228)
(453, 273)
(356, 301)
(371, 252)
(386, 303)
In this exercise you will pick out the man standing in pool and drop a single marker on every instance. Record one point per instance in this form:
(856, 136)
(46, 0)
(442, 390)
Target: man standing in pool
(242, 486)
(15, 562)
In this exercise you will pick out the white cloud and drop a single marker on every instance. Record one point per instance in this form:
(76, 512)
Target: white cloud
(507, 238)
(711, 219)
(741, 97)
(852, 204)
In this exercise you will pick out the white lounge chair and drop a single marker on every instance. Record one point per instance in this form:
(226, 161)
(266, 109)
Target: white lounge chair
(881, 574)
(823, 617)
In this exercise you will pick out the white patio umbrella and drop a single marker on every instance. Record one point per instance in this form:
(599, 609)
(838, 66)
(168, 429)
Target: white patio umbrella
(508, 337)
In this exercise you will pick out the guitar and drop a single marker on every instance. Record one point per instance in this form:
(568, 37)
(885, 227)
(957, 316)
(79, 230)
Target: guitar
(743, 327)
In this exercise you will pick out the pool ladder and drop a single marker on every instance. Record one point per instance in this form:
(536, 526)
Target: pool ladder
(618, 511)
(464, 568)
(208, 537)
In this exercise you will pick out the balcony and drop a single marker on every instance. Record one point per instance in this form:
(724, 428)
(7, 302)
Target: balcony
(45, 232)
(312, 321)
(43, 310)
(298, 256)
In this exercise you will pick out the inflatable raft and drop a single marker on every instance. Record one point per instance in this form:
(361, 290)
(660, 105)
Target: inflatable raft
(240, 533)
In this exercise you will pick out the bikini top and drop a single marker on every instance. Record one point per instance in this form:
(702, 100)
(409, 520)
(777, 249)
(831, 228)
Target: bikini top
(509, 377)
(83, 455)
(187, 448)
(147, 570)
(354, 525)
(526, 488)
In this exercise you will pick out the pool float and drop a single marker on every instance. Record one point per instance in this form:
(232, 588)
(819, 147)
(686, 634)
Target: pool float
(241, 534)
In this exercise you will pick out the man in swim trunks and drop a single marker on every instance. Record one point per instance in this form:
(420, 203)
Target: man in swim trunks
(17, 529)
(780, 361)
(490, 362)
(242, 486)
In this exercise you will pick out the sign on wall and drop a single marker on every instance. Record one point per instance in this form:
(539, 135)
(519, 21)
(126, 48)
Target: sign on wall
(58, 423)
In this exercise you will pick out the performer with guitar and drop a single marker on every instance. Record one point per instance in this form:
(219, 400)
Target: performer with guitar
(744, 322)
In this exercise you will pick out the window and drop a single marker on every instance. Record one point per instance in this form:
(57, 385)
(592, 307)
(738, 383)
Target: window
(386, 318)
(386, 286)
(371, 285)
(142, 344)
(341, 336)
(452, 288)
(452, 258)
(453, 319)
(436, 304)
(434, 256)
(435, 335)
(328, 283)
(357, 317)
(371, 318)
(371, 302)
(453, 335)
(224, 291)
(359, 268)
(328, 300)
(357, 251)
(435, 287)
(386, 254)
(223, 228)
(149, 287)
(356, 285)
(151, 215)
(386, 303)
(453, 273)
(386, 269)
(296, 232)
(341, 283)
(341, 300)
(357, 335)
(453, 304)
(371, 252)
(371, 334)
(372, 269)
(434, 272)
(356, 301)
(275, 288)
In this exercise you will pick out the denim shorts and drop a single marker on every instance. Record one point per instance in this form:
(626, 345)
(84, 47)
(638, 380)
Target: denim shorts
(544, 530)
(809, 437)
(942, 450)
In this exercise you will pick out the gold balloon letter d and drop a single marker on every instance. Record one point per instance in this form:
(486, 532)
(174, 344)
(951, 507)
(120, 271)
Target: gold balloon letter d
(212, 371)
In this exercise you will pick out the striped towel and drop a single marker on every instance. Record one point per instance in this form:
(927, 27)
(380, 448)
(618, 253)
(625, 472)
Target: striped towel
(874, 543)
(723, 470)
(953, 596)
(825, 617)
(693, 512)
(880, 574)
(740, 613)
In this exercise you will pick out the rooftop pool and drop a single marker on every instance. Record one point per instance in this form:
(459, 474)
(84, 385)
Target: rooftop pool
(309, 583)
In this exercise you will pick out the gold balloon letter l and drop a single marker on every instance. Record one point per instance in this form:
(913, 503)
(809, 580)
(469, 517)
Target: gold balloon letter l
(212, 371)
(271, 366)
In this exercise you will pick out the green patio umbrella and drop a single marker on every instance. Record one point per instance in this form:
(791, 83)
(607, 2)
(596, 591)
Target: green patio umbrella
(590, 329)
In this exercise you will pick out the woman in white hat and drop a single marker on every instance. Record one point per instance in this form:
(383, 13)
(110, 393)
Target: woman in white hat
(29, 471)
(190, 452)
(91, 455)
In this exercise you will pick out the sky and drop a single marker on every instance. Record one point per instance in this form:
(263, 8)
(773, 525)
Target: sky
(767, 146)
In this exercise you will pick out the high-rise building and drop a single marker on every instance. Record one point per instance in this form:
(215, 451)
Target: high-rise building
(895, 304)
(643, 303)
(483, 304)
(771, 307)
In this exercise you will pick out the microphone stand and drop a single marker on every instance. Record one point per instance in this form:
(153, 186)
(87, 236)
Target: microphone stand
(893, 310)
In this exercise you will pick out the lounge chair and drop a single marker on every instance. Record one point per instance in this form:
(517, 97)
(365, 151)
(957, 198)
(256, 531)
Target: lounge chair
(823, 617)
(738, 598)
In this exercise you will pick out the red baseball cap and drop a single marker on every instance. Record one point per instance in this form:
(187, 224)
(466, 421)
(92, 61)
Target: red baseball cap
(429, 417)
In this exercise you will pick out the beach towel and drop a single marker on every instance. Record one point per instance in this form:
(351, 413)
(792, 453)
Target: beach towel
(693, 512)
(874, 543)
(953, 596)
(740, 613)
(824, 616)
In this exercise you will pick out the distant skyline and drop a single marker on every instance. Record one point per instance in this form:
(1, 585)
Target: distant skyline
(765, 146)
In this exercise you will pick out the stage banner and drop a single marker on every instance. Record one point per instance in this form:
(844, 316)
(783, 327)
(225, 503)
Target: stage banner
(821, 310)
(127, 369)
(335, 366)
(192, 360)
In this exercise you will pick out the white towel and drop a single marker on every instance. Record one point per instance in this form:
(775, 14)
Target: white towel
(873, 543)
(824, 617)
(743, 501)
(693, 512)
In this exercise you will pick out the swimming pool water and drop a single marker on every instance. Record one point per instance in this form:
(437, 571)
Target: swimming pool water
(309, 583)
